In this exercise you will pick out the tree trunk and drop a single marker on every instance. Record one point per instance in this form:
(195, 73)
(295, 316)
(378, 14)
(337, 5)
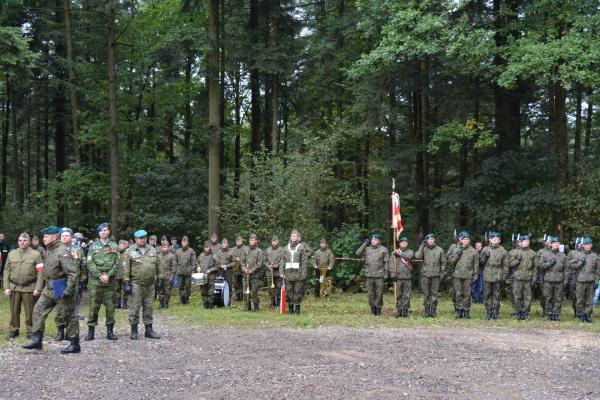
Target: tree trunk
(561, 149)
(214, 99)
(72, 78)
(578, 121)
(588, 122)
(238, 129)
(254, 82)
(187, 117)
(5, 129)
(59, 122)
(17, 168)
(421, 105)
(275, 116)
(112, 121)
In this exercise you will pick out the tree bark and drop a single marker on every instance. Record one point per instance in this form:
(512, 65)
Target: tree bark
(588, 121)
(188, 106)
(5, 134)
(561, 149)
(17, 168)
(112, 121)
(578, 122)
(72, 79)
(254, 82)
(59, 122)
(214, 99)
(238, 129)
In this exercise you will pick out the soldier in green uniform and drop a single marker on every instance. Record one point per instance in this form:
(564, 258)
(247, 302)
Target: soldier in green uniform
(539, 284)
(494, 260)
(168, 264)
(23, 282)
(103, 263)
(572, 266)
(293, 270)
(35, 245)
(522, 263)
(252, 269)
(272, 259)
(214, 243)
(185, 257)
(239, 252)
(141, 269)
(464, 265)
(555, 277)
(400, 269)
(432, 266)
(60, 288)
(225, 258)
(153, 241)
(323, 258)
(207, 264)
(121, 299)
(376, 260)
(587, 270)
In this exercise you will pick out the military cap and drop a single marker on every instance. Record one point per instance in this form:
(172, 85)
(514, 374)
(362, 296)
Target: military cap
(275, 237)
(403, 239)
(376, 236)
(173, 238)
(102, 226)
(224, 240)
(253, 236)
(207, 244)
(185, 238)
(494, 234)
(464, 235)
(64, 229)
(429, 236)
(153, 237)
(323, 240)
(51, 230)
(295, 232)
(553, 239)
(35, 237)
(140, 234)
(78, 235)
(586, 240)
(238, 237)
(523, 237)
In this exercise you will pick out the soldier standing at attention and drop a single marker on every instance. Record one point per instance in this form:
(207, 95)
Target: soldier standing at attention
(539, 284)
(185, 257)
(293, 270)
(23, 282)
(376, 259)
(432, 267)
(174, 244)
(239, 252)
(214, 242)
(587, 273)
(225, 258)
(477, 286)
(494, 260)
(555, 276)
(464, 263)
(153, 241)
(272, 258)
(403, 276)
(35, 245)
(141, 269)
(121, 298)
(522, 262)
(60, 288)
(254, 263)
(323, 258)
(572, 268)
(206, 263)
(168, 264)
(103, 263)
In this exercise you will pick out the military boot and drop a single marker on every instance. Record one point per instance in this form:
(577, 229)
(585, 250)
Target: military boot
(110, 335)
(399, 313)
(118, 302)
(497, 313)
(73, 346)
(36, 341)
(291, 309)
(12, 334)
(405, 312)
(427, 312)
(457, 313)
(125, 303)
(297, 311)
(433, 312)
(60, 334)
(467, 314)
(373, 310)
(150, 334)
(256, 307)
(90, 334)
(588, 319)
(134, 332)
(166, 303)
(525, 315)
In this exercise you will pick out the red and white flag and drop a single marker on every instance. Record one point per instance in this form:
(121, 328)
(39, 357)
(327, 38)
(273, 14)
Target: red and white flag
(396, 217)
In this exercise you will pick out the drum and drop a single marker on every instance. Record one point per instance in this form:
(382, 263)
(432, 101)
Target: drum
(221, 292)
(199, 278)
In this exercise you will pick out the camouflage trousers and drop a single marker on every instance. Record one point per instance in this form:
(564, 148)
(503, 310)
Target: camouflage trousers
(294, 291)
(102, 295)
(430, 287)
(491, 295)
(59, 313)
(403, 292)
(141, 299)
(462, 293)
(45, 305)
(185, 286)
(165, 291)
(119, 293)
(238, 283)
(207, 291)
(553, 294)
(254, 286)
(274, 293)
(521, 291)
(585, 298)
(375, 291)
(571, 293)
(17, 299)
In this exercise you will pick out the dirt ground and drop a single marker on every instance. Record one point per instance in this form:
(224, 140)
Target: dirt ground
(340, 363)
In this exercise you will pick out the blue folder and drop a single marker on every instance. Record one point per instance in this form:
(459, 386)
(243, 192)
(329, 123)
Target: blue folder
(58, 287)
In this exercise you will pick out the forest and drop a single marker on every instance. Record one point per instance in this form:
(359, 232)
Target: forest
(186, 117)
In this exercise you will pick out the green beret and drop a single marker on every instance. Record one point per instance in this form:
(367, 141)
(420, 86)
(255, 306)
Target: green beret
(51, 230)
(66, 230)
(464, 235)
(523, 237)
(275, 237)
(586, 240)
(376, 236)
(429, 236)
(403, 239)
(553, 239)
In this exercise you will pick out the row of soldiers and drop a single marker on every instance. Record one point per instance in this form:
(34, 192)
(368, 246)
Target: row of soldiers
(576, 274)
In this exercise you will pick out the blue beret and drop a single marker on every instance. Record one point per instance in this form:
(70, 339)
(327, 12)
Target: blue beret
(403, 239)
(140, 234)
(430, 236)
(102, 226)
(494, 234)
(464, 235)
(586, 240)
(65, 229)
(51, 230)
(376, 236)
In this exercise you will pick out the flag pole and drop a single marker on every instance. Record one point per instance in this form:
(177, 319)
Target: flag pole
(395, 261)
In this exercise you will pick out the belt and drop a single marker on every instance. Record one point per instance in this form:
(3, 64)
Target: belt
(26, 283)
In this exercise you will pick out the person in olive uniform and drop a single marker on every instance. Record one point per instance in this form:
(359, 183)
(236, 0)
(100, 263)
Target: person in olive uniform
(103, 264)
(23, 283)
(272, 259)
(401, 270)
(588, 273)
(252, 269)
(494, 261)
(572, 266)
(464, 265)
(538, 288)
(239, 252)
(141, 269)
(225, 258)
(293, 271)
(432, 266)
(214, 243)
(522, 263)
(168, 264)
(185, 257)
(323, 258)
(376, 260)
(60, 288)
(207, 264)
(556, 275)
(121, 298)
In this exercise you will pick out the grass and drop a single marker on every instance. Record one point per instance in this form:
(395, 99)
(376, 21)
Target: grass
(342, 310)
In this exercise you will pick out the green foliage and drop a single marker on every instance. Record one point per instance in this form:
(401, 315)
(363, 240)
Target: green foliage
(344, 243)
(455, 135)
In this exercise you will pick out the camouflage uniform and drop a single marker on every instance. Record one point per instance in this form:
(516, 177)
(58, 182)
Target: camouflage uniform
(587, 272)
(168, 264)
(293, 269)
(225, 259)
(238, 275)
(272, 258)
(572, 265)
(539, 284)
(403, 278)
(555, 276)
(185, 265)
(322, 258)
(103, 259)
(206, 263)
(494, 261)
(522, 263)
(465, 263)
(254, 262)
(121, 297)
(376, 263)
(79, 260)
(432, 268)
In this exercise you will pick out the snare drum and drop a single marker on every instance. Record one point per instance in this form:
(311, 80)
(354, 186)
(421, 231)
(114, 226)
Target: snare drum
(199, 278)
(221, 292)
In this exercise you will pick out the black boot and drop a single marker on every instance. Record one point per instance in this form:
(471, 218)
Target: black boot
(457, 313)
(256, 307)
(161, 304)
(150, 334)
(36, 341)
(518, 316)
(73, 346)
(427, 312)
(588, 319)
(110, 335)
(118, 302)
(405, 312)
(399, 313)
(467, 314)
(206, 305)
(60, 334)
(12, 334)
(134, 332)
(433, 312)
(373, 310)
(557, 317)
(125, 303)
(297, 311)
(497, 313)
(90, 334)
(525, 315)
(166, 303)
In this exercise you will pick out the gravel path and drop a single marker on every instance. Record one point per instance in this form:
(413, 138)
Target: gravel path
(341, 363)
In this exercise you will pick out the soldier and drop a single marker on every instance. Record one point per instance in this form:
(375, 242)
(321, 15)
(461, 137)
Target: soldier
(185, 257)
(141, 269)
(400, 269)
(272, 259)
(174, 244)
(587, 270)
(572, 266)
(35, 245)
(252, 269)
(4, 249)
(207, 263)
(494, 261)
(539, 280)
(375, 264)
(23, 283)
(477, 286)
(464, 265)
(60, 288)
(323, 258)
(168, 264)
(293, 271)
(225, 258)
(120, 296)
(432, 267)
(555, 276)
(522, 263)
(214, 242)
(239, 252)
(153, 241)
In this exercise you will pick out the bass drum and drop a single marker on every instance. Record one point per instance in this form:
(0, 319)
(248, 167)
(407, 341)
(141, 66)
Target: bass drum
(221, 293)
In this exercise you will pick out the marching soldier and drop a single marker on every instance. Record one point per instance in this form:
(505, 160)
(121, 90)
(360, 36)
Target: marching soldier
(185, 257)
(464, 263)
(120, 296)
(225, 258)
(272, 258)
(323, 258)
(141, 269)
(168, 264)
(494, 260)
(432, 268)
(522, 263)
(206, 263)
(239, 252)
(23, 283)
(254, 262)
(588, 273)
(103, 263)
(555, 276)
(572, 267)
(60, 288)
(403, 257)
(293, 270)
(376, 259)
